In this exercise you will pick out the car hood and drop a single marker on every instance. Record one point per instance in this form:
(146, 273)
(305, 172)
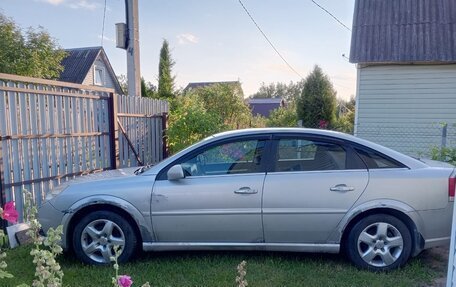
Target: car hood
(94, 177)
(108, 174)
(120, 183)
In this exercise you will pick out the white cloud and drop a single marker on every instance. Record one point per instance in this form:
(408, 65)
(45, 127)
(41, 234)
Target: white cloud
(187, 38)
(84, 4)
(74, 4)
(53, 2)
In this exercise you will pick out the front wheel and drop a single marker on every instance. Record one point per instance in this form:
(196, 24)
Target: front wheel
(98, 233)
(379, 242)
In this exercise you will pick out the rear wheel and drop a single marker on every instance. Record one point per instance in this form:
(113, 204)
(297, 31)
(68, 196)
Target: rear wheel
(97, 234)
(379, 242)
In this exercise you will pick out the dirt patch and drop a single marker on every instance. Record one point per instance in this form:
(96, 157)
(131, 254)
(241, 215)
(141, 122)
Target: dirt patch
(437, 259)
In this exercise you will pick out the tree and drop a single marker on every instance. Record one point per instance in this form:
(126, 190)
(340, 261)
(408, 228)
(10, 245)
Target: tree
(165, 79)
(316, 106)
(33, 53)
(225, 101)
(288, 92)
(283, 117)
(346, 116)
(123, 82)
(190, 121)
(205, 111)
(148, 89)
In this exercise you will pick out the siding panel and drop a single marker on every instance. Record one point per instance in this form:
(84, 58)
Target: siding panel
(403, 107)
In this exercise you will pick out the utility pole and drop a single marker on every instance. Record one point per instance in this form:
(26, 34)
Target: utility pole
(128, 39)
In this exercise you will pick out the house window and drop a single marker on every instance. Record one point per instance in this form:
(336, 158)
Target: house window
(98, 78)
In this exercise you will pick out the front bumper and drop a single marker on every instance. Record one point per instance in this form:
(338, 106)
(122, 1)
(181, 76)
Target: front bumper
(49, 216)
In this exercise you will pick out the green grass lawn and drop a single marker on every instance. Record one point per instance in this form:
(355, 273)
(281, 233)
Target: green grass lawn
(219, 269)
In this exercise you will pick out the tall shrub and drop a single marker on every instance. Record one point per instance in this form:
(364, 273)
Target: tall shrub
(317, 103)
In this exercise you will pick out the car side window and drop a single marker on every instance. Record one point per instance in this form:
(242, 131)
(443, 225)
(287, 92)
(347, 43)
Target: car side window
(309, 155)
(227, 158)
(375, 160)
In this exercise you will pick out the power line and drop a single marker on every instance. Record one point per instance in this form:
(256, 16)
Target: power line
(269, 41)
(330, 14)
(103, 26)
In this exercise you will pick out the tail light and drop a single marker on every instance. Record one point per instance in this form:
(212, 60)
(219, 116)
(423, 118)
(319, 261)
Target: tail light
(451, 187)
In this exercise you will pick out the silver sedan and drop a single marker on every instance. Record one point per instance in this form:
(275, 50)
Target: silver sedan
(299, 190)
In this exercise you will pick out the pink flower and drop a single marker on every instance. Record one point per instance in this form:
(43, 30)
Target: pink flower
(10, 213)
(124, 281)
(322, 124)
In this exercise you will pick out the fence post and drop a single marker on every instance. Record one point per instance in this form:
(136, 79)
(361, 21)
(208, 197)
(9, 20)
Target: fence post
(444, 135)
(112, 112)
(443, 142)
(164, 136)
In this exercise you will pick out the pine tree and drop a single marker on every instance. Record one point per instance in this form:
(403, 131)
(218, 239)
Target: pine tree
(316, 106)
(165, 79)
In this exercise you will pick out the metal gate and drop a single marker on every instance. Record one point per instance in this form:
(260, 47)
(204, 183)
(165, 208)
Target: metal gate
(141, 124)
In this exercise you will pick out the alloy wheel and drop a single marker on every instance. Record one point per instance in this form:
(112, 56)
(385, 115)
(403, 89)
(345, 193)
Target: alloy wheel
(380, 244)
(99, 238)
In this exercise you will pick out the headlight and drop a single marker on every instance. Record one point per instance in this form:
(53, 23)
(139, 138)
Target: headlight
(56, 191)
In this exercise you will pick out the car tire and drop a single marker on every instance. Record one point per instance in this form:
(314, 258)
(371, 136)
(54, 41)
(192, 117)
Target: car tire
(96, 235)
(379, 242)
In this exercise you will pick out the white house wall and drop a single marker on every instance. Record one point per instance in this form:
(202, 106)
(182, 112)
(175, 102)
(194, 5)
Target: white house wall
(404, 106)
(108, 81)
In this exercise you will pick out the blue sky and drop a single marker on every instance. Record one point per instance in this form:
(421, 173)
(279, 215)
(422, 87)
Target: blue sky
(210, 40)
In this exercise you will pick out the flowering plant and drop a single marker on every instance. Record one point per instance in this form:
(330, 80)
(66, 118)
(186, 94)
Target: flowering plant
(124, 281)
(10, 214)
(121, 280)
(47, 269)
(242, 271)
(322, 124)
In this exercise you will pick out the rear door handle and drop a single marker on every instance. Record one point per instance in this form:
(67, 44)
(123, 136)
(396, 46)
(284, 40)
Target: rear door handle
(246, 190)
(342, 188)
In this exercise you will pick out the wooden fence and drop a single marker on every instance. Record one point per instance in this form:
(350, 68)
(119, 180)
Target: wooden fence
(51, 131)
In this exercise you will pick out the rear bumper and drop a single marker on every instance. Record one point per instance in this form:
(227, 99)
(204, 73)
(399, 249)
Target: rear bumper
(443, 241)
(436, 226)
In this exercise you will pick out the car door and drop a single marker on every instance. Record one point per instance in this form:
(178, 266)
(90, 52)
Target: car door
(313, 182)
(219, 200)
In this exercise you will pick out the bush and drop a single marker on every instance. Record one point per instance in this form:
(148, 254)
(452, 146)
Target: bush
(283, 117)
(190, 122)
(446, 154)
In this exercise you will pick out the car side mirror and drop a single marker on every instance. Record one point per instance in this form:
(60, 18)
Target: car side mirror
(176, 172)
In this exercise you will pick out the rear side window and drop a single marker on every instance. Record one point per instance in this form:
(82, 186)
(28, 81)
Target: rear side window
(308, 155)
(375, 160)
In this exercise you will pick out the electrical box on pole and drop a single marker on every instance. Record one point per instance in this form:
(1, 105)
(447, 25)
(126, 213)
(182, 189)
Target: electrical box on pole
(121, 36)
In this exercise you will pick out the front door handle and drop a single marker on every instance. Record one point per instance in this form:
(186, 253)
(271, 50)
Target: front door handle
(342, 188)
(246, 190)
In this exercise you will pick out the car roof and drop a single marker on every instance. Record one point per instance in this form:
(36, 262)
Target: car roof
(280, 130)
(404, 159)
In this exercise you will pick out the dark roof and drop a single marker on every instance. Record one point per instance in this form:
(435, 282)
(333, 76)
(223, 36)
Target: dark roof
(196, 85)
(265, 106)
(78, 63)
(395, 31)
(265, 101)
